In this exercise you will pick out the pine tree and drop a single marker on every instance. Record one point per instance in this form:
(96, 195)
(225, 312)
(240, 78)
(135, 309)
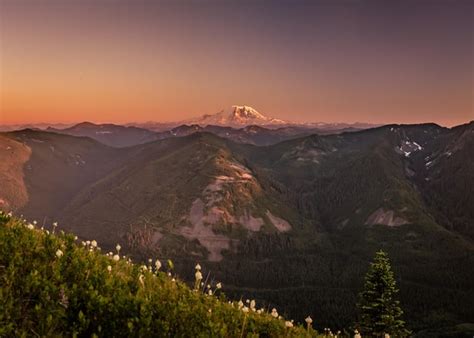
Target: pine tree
(380, 311)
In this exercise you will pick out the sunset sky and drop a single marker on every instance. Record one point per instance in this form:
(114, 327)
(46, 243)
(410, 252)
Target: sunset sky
(334, 61)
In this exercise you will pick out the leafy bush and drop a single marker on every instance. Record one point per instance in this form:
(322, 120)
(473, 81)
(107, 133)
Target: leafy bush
(50, 285)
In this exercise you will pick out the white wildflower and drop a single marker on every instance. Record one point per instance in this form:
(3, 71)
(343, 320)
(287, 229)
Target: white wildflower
(198, 275)
(94, 243)
(116, 258)
(88, 243)
(209, 292)
(157, 265)
(308, 320)
(118, 247)
(34, 222)
(59, 253)
(219, 285)
(288, 324)
(197, 267)
(109, 268)
(274, 313)
(240, 304)
(245, 309)
(252, 305)
(30, 226)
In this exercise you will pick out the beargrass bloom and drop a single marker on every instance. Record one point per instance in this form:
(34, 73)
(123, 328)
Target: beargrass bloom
(219, 285)
(274, 313)
(109, 268)
(245, 309)
(94, 243)
(288, 324)
(308, 320)
(30, 226)
(157, 265)
(59, 253)
(116, 258)
(118, 247)
(357, 334)
(197, 267)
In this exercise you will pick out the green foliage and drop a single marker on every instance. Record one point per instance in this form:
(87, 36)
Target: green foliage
(49, 286)
(379, 308)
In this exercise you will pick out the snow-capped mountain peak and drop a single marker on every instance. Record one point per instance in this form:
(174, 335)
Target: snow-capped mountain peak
(237, 116)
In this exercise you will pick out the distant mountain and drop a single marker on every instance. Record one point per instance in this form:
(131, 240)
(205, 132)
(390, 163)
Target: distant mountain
(237, 116)
(109, 134)
(294, 222)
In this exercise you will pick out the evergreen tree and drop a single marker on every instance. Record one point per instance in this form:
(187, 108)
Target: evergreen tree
(380, 311)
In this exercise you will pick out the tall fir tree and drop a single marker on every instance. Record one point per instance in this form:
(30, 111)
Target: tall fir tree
(380, 311)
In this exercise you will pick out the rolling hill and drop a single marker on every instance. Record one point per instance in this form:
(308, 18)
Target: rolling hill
(292, 223)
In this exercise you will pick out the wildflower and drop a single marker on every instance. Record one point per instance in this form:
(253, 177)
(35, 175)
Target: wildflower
(252, 305)
(198, 275)
(150, 260)
(30, 226)
(173, 280)
(118, 247)
(208, 286)
(386, 335)
(274, 313)
(59, 253)
(34, 222)
(357, 334)
(308, 321)
(157, 265)
(88, 243)
(210, 310)
(116, 258)
(209, 292)
(94, 243)
(141, 279)
(245, 309)
(197, 267)
(169, 274)
(259, 311)
(219, 285)
(248, 301)
(288, 324)
(109, 268)
(75, 238)
(240, 304)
